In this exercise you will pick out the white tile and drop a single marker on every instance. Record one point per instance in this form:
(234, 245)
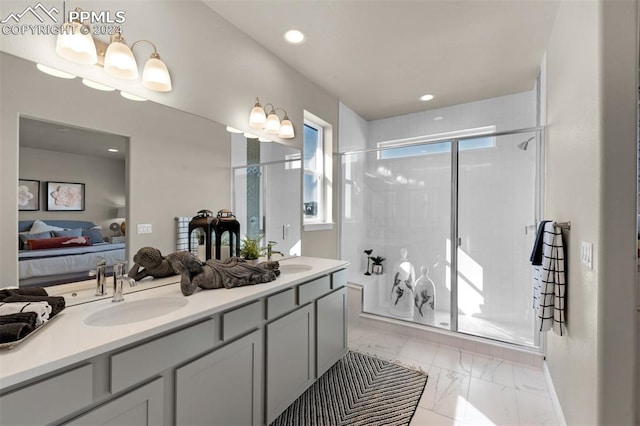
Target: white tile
(454, 359)
(534, 409)
(424, 417)
(446, 393)
(529, 379)
(493, 370)
(420, 351)
(491, 404)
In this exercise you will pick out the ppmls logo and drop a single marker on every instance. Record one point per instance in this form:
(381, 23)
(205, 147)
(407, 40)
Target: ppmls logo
(40, 20)
(39, 11)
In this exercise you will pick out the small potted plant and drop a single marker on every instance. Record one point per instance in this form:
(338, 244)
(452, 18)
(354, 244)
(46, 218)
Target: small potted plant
(251, 249)
(377, 264)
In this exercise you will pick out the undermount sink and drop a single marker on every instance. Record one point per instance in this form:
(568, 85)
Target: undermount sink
(138, 310)
(294, 268)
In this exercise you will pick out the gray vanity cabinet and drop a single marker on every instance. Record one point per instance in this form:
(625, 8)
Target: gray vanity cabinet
(140, 407)
(331, 322)
(223, 387)
(290, 359)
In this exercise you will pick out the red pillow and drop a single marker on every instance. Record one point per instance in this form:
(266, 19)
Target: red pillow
(57, 242)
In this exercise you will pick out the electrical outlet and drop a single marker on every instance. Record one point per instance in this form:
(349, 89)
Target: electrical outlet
(586, 254)
(144, 228)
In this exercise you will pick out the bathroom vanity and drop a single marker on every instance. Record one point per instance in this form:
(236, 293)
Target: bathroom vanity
(228, 356)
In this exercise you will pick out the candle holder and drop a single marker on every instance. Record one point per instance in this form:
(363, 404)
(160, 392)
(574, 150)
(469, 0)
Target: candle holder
(368, 253)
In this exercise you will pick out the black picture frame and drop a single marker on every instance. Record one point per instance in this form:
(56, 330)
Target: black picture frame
(28, 195)
(65, 196)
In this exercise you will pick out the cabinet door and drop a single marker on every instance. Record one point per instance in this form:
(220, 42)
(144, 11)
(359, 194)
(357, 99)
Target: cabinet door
(223, 387)
(290, 359)
(331, 329)
(141, 407)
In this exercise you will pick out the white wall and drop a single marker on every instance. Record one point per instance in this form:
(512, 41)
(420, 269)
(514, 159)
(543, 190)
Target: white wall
(516, 111)
(177, 163)
(104, 179)
(590, 180)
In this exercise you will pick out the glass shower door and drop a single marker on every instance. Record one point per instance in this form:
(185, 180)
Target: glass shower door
(496, 228)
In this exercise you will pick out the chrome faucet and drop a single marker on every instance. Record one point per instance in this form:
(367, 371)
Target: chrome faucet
(101, 276)
(272, 252)
(119, 278)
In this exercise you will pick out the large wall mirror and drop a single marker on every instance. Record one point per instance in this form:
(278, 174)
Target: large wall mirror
(173, 164)
(72, 194)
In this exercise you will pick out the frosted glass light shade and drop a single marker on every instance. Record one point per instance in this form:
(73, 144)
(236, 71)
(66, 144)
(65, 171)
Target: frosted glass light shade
(273, 124)
(155, 75)
(74, 46)
(286, 129)
(120, 62)
(257, 118)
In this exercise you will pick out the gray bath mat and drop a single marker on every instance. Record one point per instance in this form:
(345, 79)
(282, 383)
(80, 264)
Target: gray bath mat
(358, 390)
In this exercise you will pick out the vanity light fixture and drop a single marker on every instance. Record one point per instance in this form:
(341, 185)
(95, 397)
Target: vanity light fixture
(112, 150)
(271, 123)
(54, 72)
(425, 98)
(76, 44)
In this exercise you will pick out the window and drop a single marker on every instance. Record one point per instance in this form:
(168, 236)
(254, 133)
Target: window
(406, 148)
(313, 180)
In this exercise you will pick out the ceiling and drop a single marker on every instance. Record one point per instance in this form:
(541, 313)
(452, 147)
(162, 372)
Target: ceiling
(379, 57)
(62, 138)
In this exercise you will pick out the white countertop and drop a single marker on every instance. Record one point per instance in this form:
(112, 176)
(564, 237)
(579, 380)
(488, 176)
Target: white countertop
(68, 340)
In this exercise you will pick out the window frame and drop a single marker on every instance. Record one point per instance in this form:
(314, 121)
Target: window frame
(318, 173)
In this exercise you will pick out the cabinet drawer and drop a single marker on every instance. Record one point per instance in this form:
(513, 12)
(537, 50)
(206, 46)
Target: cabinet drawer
(339, 279)
(313, 289)
(240, 320)
(280, 303)
(142, 362)
(46, 401)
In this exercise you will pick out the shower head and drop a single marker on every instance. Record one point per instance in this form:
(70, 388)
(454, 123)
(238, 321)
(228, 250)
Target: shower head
(523, 145)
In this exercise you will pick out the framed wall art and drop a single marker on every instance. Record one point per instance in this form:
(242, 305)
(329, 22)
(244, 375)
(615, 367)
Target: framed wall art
(65, 196)
(28, 195)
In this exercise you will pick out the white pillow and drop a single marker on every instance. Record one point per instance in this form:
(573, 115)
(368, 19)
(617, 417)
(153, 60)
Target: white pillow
(39, 226)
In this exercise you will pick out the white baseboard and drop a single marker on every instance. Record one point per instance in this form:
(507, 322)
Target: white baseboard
(554, 396)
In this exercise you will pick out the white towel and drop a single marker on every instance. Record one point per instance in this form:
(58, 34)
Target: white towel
(550, 284)
(43, 309)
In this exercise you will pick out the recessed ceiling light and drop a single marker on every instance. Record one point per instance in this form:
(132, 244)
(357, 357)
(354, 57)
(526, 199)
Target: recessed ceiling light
(112, 150)
(438, 118)
(294, 37)
(132, 97)
(426, 98)
(97, 86)
(54, 72)
(233, 130)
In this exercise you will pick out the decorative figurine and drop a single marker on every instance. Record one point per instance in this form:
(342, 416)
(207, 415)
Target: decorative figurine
(425, 298)
(149, 262)
(368, 253)
(402, 294)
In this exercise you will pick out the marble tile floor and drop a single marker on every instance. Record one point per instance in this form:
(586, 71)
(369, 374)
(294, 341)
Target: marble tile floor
(464, 388)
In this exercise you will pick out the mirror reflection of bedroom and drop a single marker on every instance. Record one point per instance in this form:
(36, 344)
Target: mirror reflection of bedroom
(71, 201)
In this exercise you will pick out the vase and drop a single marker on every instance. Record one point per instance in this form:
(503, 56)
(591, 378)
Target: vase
(401, 294)
(425, 298)
(376, 269)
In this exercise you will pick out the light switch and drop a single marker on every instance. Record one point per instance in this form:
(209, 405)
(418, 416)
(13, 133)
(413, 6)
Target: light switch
(144, 228)
(586, 254)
